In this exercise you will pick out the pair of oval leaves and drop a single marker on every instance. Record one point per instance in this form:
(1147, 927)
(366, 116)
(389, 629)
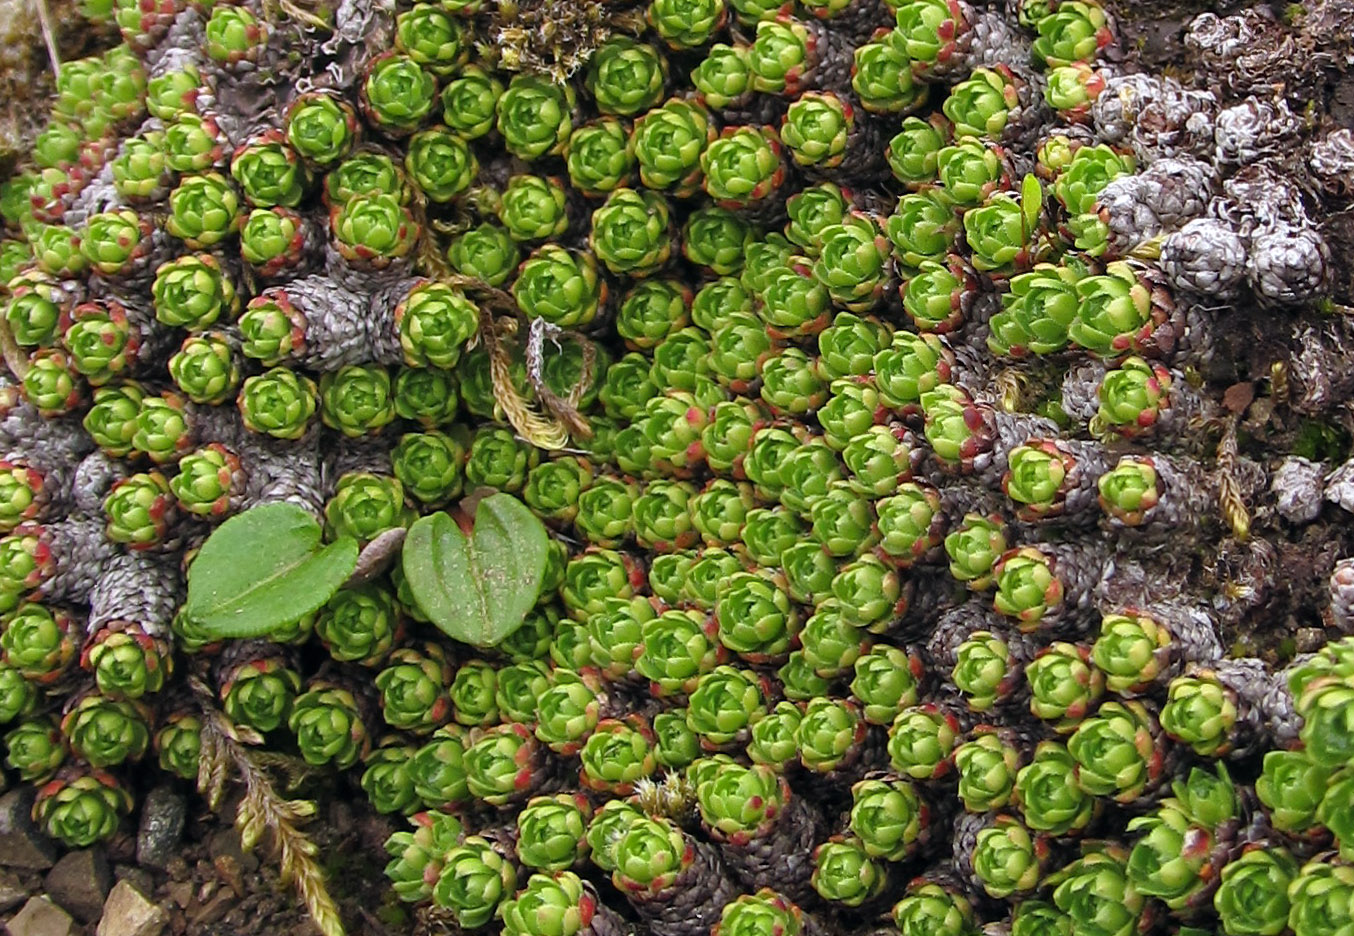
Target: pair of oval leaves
(267, 567)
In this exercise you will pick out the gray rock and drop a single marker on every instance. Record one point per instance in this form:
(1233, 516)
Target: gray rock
(127, 912)
(162, 821)
(12, 891)
(41, 917)
(139, 878)
(1297, 487)
(22, 844)
(80, 882)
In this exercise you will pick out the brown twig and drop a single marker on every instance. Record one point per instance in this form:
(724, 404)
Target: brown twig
(49, 36)
(1233, 505)
(262, 809)
(564, 409)
(13, 355)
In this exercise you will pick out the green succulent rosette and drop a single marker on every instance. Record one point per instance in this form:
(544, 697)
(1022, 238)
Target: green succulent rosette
(38, 642)
(385, 778)
(359, 624)
(535, 116)
(881, 76)
(194, 143)
(373, 229)
(434, 322)
(432, 37)
(437, 769)
(141, 169)
(274, 241)
(1252, 897)
(743, 167)
(1048, 795)
(669, 144)
(260, 693)
(428, 465)
(686, 24)
(35, 749)
(1116, 751)
(111, 420)
(1064, 685)
(204, 210)
(934, 298)
(626, 77)
(724, 704)
(969, 171)
(830, 734)
(844, 873)
(427, 396)
(139, 510)
(35, 309)
(724, 76)
(101, 340)
(550, 905)
(413, 685)
(1008, 860)
(1202, 712)
(104, 732)
(365, 505)
(235, 37)
(817, 129)
(987, 766)
(328, 726)
(474, 881)
(552, 831)
(193, 292)
(18, 696)
(763, 912)
(1037, 312)
(178, 744)
(756, 617)
(617, 755)
(52, 384)
(80, 808)
(279, 402)
(928, 31)
(887, 680)
(716, 239)
(630, 232)
(397, 93)
(269, 171)
(533, 208)
(365, 173)
(934, 908)
(127, 662)
(469, 102)
(1292, 787)
(600, 157)
(114, 242)
(174, 91)
(485, 252)
(356, 399)
(322, 128)
(517, 687)
(813, 209)
(561, 286)
(440, 163)
(417, 857)
(1071, 32)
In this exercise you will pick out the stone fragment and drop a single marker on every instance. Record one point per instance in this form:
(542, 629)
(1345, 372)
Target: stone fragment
(127, 912)
(80, 882)
(41, 917)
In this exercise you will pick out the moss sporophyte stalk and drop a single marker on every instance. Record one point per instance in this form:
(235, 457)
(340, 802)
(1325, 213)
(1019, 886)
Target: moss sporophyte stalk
(699, 467)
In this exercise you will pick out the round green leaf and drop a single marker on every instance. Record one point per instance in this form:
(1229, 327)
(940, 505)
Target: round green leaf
(477, 588)
(263, 569)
